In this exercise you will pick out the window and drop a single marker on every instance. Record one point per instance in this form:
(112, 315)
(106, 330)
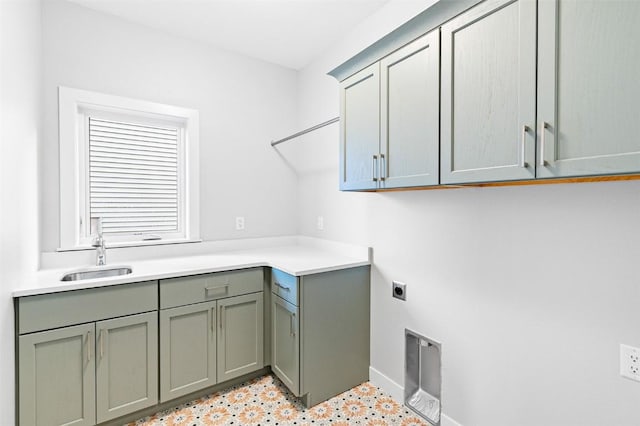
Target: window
(131, 163)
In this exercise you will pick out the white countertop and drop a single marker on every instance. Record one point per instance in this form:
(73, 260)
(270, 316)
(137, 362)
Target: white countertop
(298, 260)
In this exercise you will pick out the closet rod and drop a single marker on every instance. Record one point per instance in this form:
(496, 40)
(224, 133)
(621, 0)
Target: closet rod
(310, 129)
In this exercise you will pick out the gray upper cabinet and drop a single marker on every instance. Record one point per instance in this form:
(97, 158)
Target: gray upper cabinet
(410, 113)
(187, 349)
(360, 130)
(588, 87)
(488, 93)
(240, 335)
(390, 120)
(126, 365)
(57, 377)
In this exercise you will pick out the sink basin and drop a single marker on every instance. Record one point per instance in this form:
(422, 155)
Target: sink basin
(99, 272)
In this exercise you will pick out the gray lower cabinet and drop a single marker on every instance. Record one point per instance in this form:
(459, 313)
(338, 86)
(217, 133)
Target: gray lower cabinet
(240, 336)
(126, 365)
(488, 93)
(187, 349)
(320, 348)
(211, 330)
(285, 343)
(87, 356)
(588, 68)
(57, 377)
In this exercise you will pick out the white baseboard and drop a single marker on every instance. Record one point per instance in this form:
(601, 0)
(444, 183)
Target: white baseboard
(397, 392)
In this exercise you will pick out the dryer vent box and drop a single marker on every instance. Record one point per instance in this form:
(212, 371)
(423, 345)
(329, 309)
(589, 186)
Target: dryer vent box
(423, 377)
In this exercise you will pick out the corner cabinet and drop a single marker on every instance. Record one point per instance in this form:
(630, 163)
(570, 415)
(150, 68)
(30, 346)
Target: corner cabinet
(390, 113)
(488, 93)
(211, 330)
(320, 332)
(92, 372)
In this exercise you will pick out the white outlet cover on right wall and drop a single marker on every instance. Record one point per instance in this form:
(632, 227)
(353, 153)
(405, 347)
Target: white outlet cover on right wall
(630, 362)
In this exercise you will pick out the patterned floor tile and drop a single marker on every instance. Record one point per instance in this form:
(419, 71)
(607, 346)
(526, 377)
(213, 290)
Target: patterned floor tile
(265, 401)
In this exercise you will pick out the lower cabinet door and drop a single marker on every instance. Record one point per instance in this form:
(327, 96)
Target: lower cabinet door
(187, 349)
(126, 365)
(285, 343)
(240, 335)
(57, 377)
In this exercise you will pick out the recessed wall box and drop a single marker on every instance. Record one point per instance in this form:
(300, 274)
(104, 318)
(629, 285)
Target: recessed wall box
(423, 377)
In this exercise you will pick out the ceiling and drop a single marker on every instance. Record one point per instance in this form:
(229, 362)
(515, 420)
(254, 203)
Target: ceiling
(290, 33)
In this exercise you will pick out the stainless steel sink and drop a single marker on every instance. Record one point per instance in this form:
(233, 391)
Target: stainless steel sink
(93, 273)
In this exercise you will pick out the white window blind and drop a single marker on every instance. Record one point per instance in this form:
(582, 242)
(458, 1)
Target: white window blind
(134, 177)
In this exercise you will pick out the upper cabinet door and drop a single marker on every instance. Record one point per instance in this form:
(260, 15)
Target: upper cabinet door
(488, 93)
(410, 113)
(360, 130)
(588, 87)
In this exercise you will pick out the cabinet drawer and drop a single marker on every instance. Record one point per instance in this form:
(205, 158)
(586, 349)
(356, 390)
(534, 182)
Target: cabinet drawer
(285, 286)
(202, 288)
(47, 311)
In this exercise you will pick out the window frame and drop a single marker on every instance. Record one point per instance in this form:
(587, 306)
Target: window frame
(74, 106)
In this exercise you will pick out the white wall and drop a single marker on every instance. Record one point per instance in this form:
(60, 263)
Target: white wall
(243, 104)
(20, 84)
(530, 289)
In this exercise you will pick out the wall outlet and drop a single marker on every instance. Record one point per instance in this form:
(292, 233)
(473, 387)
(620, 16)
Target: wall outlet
(239, 223)
(399, 290)
(630, 362)
(320, 223)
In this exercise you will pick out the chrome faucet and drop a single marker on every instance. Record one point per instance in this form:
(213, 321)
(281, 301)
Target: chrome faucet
(98, 243)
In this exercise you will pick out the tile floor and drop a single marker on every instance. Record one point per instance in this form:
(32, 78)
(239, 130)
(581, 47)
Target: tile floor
(265, 401)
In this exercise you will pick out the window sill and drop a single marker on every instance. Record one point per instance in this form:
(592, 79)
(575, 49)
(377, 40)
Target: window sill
(130, 244)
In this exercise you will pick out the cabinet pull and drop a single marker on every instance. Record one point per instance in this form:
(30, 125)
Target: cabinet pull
(543, 127)
(277, 284)
(292, 330)
(374, 164)
(102, 343)
(208, 289)
(213, 319)
(88, 346)
(383, 168)
(523, 142)
(221, 315)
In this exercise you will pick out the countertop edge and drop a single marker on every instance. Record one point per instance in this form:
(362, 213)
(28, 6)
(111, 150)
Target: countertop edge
(337, 262)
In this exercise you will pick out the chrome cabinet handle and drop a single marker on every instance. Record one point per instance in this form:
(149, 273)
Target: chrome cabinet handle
(292, 329)
(543, 127)
(102, 343)
(374, 163)
(208, 289)
(88, 346)
(525, 130)
(383, 168)
(277, 284)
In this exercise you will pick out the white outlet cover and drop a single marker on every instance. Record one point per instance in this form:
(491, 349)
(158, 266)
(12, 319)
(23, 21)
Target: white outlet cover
(630, 362)
(320, 223)
(239, 223)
